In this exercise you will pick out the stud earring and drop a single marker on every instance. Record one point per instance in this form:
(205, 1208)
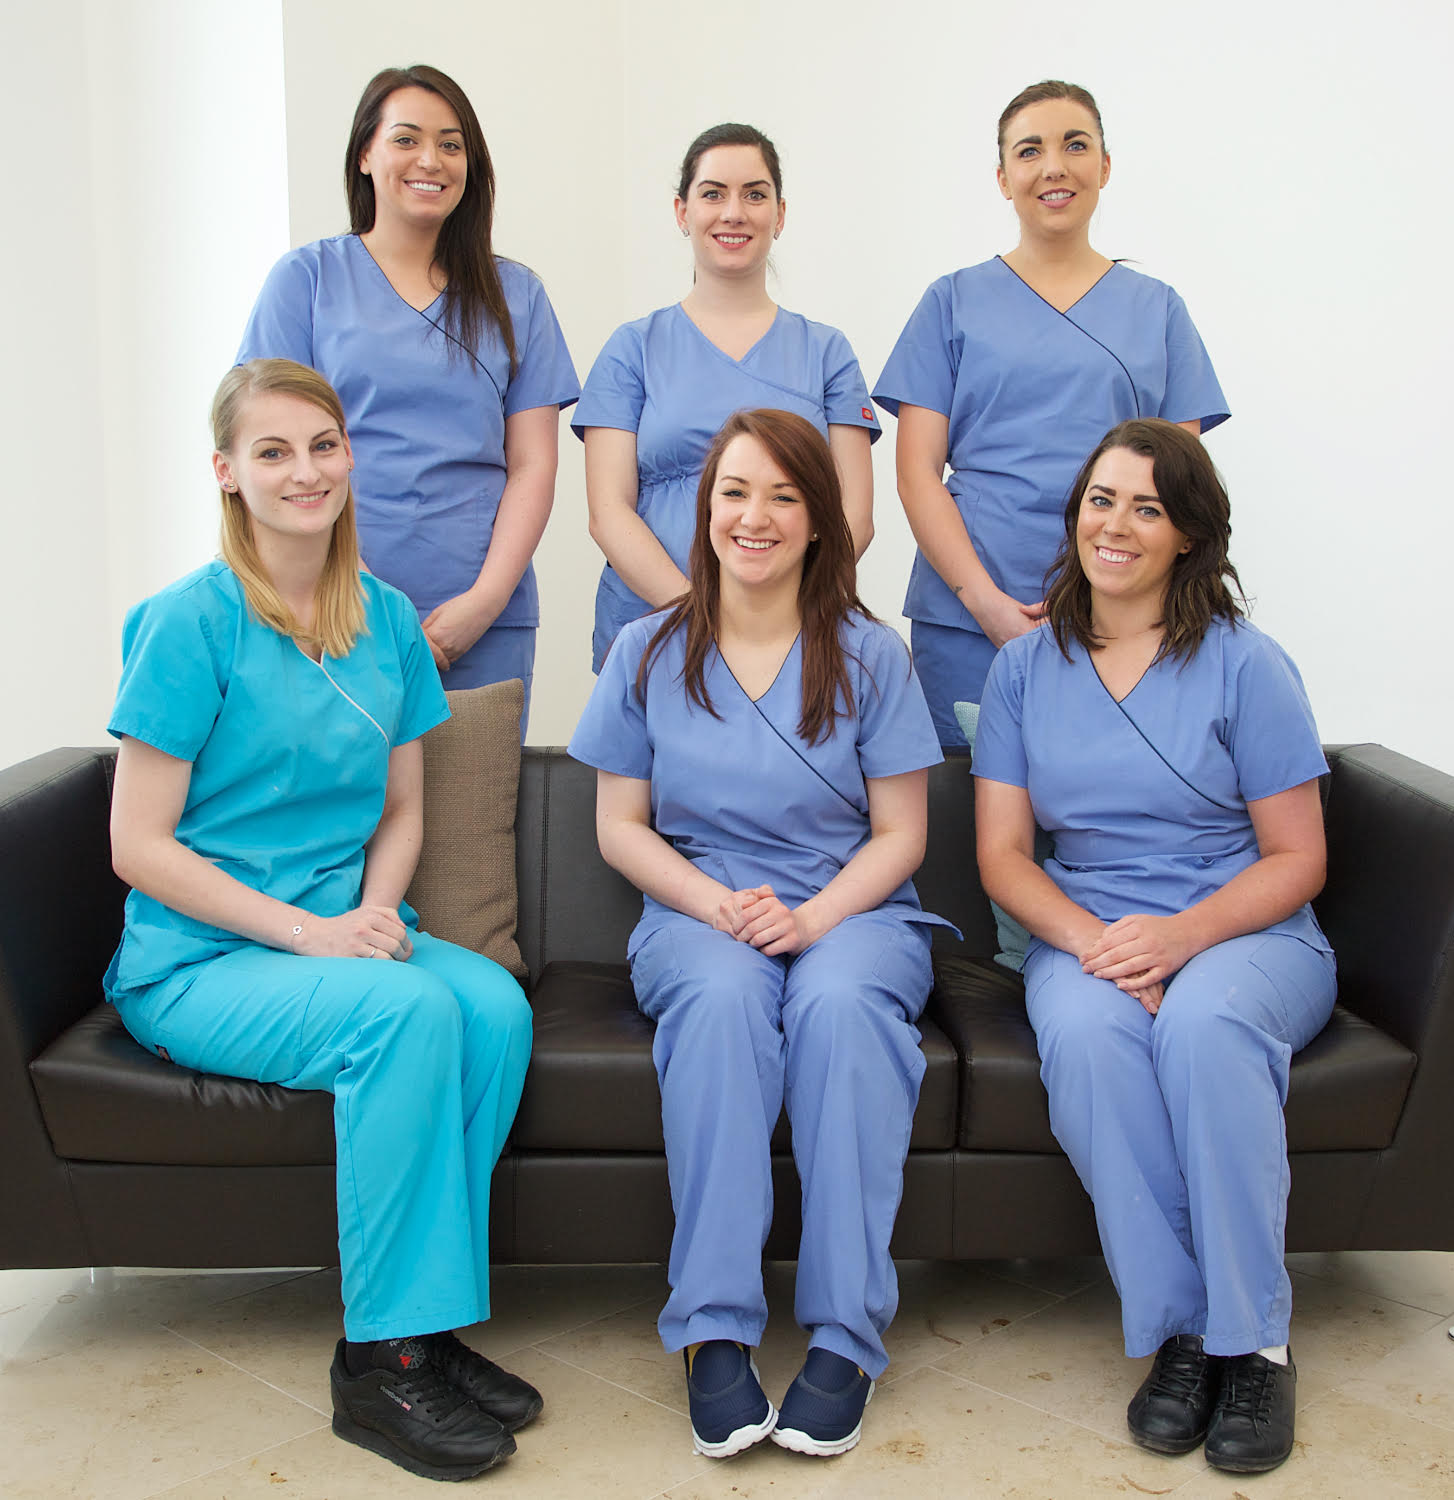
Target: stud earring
(686, 234)
(777, 234)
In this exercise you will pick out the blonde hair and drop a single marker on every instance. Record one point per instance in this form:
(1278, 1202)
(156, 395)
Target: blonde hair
(338, 614)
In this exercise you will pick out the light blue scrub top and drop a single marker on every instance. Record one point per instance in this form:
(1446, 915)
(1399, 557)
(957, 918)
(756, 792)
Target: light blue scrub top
(1029, 392)
(662, 378)
(426, 420)
(290, 757)
(1145, 800)
(743, 796)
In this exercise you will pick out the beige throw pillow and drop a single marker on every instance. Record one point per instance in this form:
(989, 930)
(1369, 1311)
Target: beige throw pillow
(464, 888)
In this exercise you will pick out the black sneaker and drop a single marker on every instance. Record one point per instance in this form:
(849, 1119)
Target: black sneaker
(1171, 1411)
(512, 1402)
(404, 1410)
(728, 1409)
(822, 1412)
(1251, 1429)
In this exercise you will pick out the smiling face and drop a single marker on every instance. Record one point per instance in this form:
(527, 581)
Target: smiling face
(1053, 166)
(759, 526)
(416, 159)
(731, 211)
(289, 463)
(1125, 540)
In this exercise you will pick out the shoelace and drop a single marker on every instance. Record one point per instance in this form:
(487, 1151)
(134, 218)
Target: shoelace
(427, 1389)
(1181, 1375)
(1247, 1390)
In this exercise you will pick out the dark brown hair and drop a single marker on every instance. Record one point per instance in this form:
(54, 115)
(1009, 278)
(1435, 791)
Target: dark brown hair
(729, 135)
(1195, 500)
(827, 592)
(473, 295)
(1038, 93)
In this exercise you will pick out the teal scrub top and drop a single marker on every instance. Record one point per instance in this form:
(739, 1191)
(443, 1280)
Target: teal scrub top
(290, 757)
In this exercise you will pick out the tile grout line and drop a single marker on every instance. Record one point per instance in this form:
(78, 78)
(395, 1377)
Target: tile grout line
(220, 1468)
(241, 1370)
(614, 1384)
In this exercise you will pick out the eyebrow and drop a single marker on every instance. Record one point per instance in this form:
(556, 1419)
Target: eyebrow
(410, 125)
(1105, 489)
(1037, 140)
(275, 440)
(738, 479)
(712, 182)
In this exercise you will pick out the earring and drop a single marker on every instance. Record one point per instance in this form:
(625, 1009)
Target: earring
(686, 234)
(777, 234)
(814, 537)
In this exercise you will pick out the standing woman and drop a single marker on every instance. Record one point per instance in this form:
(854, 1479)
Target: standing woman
(761, 752)
(1167, 747)
(663, 385)
(451, 367)
(1010, 371)
(268, 813)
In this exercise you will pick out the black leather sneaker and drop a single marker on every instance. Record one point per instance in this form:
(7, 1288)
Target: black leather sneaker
(512, 1402)
(1252, 1426)
(404, 1410)
(1172, 1410)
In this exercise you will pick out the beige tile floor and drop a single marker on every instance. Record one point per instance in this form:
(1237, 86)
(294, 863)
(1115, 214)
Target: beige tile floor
(1007, 1381)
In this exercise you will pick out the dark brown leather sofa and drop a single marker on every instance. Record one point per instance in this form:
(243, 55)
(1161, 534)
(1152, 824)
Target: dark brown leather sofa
(113, 1157)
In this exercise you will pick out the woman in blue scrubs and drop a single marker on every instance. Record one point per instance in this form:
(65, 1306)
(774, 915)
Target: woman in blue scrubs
(761, 751)
(1167, 748)
(451, 367)
(1009, 372)
(268, 814)
(663, 385)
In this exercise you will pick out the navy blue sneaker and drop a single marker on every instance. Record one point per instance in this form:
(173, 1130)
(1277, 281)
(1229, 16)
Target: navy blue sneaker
(823, 1410)
(729, 1410)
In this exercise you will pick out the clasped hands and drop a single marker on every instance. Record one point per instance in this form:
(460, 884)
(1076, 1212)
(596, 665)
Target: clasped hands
(1138, 953)
(758, 917)
(364, 932)
(453, 627)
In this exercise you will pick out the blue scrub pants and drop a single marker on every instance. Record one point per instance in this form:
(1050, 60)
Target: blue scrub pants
(502, 652)
(425, 1060)
(830, 1031)
(952, 665)
(1175, 1127)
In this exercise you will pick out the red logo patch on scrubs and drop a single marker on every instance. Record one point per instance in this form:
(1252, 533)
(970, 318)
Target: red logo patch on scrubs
(867, 413)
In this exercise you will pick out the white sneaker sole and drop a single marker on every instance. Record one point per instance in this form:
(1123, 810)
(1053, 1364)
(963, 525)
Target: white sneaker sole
(744, 1437)
(798, 1441)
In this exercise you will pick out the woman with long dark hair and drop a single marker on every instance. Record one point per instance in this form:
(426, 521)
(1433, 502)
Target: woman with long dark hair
(268, 813)
(451, 367)
(664, 384)
(1167, 748)
(761, 750)
(1008, 372)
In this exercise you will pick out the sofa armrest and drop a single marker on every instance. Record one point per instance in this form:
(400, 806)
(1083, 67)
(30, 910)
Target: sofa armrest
(60, 919)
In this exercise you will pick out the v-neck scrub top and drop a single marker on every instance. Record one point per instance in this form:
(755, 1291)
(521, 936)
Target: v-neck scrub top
(662, 378)
(743, 796)
(290, 756)
(1029, 392)
(425, 418)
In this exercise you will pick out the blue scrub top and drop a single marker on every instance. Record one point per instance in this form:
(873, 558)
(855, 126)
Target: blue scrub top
(1153, 816)
(426, 420)
(290, 757)
(662, 378)
(1029, 392)
(743, 796)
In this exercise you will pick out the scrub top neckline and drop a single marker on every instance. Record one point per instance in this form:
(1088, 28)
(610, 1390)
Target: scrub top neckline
(1063, 312)
(422, 311)
(1145, 673)
(776, 676)
(711, 344)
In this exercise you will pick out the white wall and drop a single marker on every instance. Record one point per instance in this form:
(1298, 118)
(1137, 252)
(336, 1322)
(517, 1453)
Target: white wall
(1281, 165)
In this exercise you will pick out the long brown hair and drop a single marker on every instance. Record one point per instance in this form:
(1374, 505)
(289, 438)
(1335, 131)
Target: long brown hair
(338, 616)
(827, 592)
(473, 294)
(1195, 500)
(1038, 93)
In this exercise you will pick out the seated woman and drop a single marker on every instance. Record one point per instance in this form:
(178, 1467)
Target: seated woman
(268, 813)
(1167, 747)
(762, 750)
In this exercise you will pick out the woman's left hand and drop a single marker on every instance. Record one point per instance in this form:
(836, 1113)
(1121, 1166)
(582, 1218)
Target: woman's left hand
(1140, 950)
(454, 626)
(771, 926)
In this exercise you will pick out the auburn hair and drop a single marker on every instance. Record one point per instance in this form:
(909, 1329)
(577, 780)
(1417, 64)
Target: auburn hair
(338, 615)
(1038, 93)
(827, 590)
(1191, 492)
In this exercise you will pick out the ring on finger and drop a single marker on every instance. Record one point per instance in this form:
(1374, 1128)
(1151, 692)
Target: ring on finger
(372, 951)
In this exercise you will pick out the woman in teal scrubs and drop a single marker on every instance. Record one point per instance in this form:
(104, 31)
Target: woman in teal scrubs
(268, 814)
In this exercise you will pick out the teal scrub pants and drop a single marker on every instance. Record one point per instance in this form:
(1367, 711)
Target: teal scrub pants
(425, 1060)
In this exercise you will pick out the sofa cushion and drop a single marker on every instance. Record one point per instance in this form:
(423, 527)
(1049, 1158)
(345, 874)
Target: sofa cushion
(592, 1082)
(1346, 1092)
(106, 1098)
(464, 887)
